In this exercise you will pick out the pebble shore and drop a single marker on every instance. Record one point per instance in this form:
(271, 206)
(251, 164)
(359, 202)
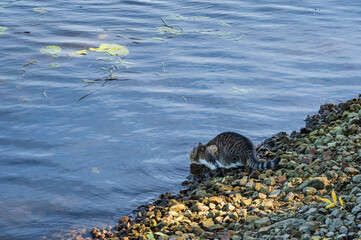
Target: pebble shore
(314, 193)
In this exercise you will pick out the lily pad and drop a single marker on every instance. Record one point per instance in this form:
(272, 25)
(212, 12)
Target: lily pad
(52, 50)
(158, 39)
(82, 52)
(39, 10)
(54, 65)
(107, 59)
(170, 29)
(112, 49)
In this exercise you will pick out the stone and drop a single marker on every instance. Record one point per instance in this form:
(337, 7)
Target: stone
(215, 227)
(229, 207)
(357, 178)
(311, 212)
(215, 199)
(247, 202)
(274, 194)
(313, 225)
(351, 170)
(289, 197)
(317, 182)
(267, 205)
(251, 218)
(309, 191)
(356, 210)
(200, 194)
(343, 229)
(262, 222)
(341, 237)
(262, 196)
(177, 207)
(270, 181)
(207, 223)
(199, 207)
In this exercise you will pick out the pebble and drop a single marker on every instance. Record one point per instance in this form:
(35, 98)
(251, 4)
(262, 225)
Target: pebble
(274, 193)
(284, 203)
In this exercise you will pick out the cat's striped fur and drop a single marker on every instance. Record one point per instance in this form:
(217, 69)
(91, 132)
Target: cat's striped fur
(230, 149)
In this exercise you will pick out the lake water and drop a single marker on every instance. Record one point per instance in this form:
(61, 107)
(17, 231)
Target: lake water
(254, 67)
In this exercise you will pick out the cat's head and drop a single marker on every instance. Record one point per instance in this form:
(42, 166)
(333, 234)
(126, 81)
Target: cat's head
(197, 153)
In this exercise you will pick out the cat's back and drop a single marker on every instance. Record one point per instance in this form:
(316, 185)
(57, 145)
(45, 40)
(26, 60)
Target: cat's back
(231, 140)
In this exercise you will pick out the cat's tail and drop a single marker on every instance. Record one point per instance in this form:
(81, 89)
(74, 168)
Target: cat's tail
(256, 164)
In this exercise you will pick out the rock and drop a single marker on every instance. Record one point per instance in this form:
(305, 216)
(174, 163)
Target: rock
(207, 224)
(251, 219)
(247, 202)
(313, 225)
(317, 182)
(357, 178)
(356, 210)
(229, 207)
(270, 181)
(343, 229)
(262, 222)
(177, 207)
(289, 197)
(309, 191)
(267, 205)
(199, 207)
(200, 194)
(311, 212)
(351, 170)
(341, 237)
(274, 194)
(215, 199)
(215, 227)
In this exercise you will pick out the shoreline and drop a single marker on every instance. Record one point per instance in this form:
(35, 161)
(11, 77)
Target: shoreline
(293, 201)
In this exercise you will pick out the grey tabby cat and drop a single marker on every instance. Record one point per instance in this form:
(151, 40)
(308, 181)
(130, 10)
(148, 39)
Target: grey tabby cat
(228, 150)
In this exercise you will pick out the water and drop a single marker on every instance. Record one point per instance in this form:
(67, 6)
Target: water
(257, 68)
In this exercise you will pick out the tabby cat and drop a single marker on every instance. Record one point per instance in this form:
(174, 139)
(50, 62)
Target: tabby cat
(228, 150)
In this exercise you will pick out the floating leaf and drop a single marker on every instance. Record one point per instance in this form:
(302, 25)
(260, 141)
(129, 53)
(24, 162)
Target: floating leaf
(52, 50)
(85, 96)
(54, 65)
(330, 206)
(2, 28)
(224, 24)
(44, 93)
(82, 52)
(326, 200)
(103, 68)
(39, 10)
(158, 39)
(239, 90)
(112, 49)
(88, 81)
(170, 29)
(225, 35)
(107, 59)
(334, 198)
(315, 238)
(341, 201)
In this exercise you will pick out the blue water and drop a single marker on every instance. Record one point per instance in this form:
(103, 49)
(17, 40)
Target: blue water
(254, 67)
